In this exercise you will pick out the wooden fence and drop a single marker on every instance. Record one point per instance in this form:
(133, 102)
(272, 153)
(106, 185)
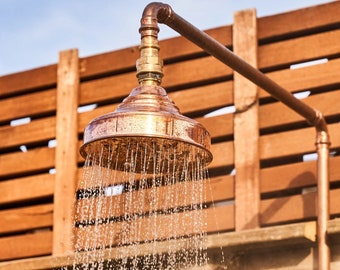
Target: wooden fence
(263, 172)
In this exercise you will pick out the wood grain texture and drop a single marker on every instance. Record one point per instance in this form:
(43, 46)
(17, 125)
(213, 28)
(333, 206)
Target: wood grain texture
(246, 125)
(300, 21)
(26, 245)
(26, 218)
(27, 188)
(66, 151)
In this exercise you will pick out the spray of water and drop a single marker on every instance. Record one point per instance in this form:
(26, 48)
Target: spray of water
(140, 205)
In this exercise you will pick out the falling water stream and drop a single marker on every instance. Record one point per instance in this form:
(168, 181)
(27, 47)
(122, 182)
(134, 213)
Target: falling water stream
(140, 205)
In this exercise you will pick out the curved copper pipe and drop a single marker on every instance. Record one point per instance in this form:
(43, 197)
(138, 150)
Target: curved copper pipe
(162, 13)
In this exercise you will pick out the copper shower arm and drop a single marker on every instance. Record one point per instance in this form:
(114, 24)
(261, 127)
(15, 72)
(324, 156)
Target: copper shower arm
(155, 13)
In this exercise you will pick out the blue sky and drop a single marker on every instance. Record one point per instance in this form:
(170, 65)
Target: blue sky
(34, 31)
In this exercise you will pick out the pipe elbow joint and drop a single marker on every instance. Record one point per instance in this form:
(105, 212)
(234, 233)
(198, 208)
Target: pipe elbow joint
(153, 14)
(320, 124)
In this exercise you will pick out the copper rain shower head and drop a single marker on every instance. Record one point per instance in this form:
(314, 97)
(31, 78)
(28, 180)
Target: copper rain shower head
(147, 115)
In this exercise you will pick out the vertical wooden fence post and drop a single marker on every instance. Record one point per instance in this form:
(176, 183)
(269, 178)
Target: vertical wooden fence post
(246, 126)
(66, 151)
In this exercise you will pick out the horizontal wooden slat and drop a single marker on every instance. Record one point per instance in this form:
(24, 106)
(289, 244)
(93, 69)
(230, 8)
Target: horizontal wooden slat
(218, 126)
(217, 94)
(296, 80)
(288, 209)
(36, 131)
(299, 49)
(294, 208)
(277, 113)
(25, 81)
(114, 87)
(26, 245)
(223, 154)
(28, 105)
(245, 241)
(218, 219)
(26, 218)
(301, 20)
(208, 97)
(294, 142)
(119, 86)
(23, 162)
(296, 175)
(26, 188)
(188, 71)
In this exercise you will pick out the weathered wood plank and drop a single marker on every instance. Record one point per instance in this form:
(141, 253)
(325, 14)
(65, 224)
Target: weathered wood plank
(247, 242)
(246, 122)
(37, 159)
(119, 86)
(27, 188)
(307, 78)
(223, 154)
(21, 82)
(276, 114)
(295, 208)
(218, 126)
(185, 72)
(301, 20)
(34, 104)
(299, 50)
(294, 142)
(26, 245)
(36, 131)
(26, 218)
(66, 151)
(288, 209)
(204, 98)
(296, 175)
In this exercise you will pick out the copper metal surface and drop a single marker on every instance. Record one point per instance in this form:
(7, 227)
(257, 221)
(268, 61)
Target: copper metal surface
(147, 114)
(162, 13)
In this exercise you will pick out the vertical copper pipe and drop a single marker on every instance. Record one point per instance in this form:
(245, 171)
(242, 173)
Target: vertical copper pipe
(322, 148)
(162, 13)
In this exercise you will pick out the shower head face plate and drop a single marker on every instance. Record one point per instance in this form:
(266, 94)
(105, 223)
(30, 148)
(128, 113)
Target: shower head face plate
(147, 155)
